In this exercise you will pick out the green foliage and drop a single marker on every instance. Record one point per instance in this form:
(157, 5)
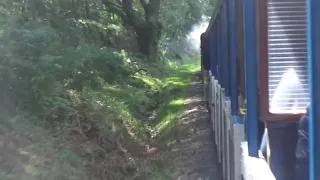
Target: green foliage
(73, 67)
(179, 16)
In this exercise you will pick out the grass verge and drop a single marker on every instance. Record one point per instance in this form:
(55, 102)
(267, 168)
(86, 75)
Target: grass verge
(124, 120)
(171, 110)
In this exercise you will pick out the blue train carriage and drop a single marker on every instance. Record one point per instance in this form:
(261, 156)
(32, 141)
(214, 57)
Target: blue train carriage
(222, 87)
(289, 39)
(283, 80)
(224, 47)
(258, 51)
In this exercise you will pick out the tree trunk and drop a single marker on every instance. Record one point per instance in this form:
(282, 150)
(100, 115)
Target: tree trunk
(148, 30)
(148, 40)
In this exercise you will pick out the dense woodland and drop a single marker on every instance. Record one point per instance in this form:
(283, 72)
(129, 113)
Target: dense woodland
(97, 76)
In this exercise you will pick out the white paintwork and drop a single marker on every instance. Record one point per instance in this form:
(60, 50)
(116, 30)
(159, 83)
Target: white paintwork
(228, 120)
(209, 96)
(223, 134)
(213, 105)
(216, 115)
(230, 140)
(219, 123)
(254, 168)
(238, 137)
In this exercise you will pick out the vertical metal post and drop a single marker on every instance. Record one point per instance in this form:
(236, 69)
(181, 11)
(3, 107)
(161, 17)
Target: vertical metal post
(210, 46)
(209, 73)
(214, 49)
(218, 48)
(233, 56)
(207, 47)
(221, 68)
(223, 53)
(226, 68)
(251, 63)
(314, 84)
(211, 39)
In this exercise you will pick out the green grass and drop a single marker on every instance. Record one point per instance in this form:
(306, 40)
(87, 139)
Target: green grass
(177, 91)
(173, 107)
(171, 112)
(34, 153)
(161, 170)
(52, 154)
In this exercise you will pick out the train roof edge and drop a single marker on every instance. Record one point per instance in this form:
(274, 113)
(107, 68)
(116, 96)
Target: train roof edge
(213, 17)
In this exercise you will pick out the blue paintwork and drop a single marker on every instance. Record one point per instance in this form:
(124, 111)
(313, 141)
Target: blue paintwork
(233, 57)
(212, 40)
(282, 135)
(314, 84)
(218, 48)
(215, 57)
(251, 60)
(212, 50)
(210, 46)
(237, 120)
(222, 44)
(223, 50)
(225, 60)
(206, 50)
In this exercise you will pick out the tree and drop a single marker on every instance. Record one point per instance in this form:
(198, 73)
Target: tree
(149, 22)
(147, 26)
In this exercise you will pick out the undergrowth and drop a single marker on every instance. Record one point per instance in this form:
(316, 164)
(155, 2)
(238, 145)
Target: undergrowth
(71, 109)
(105, 132)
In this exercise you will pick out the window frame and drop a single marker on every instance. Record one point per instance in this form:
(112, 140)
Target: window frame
(262, 24)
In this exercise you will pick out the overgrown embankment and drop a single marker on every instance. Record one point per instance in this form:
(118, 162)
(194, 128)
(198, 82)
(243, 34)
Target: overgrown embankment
(116, 129)
(77, 100)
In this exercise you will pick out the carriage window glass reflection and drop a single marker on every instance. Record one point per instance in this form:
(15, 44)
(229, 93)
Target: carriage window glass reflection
(287, 56)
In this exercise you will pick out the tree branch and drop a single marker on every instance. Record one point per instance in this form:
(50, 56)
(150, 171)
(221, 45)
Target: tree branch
(124, 9)
(127, 7)
(115, 8)
(112, 4)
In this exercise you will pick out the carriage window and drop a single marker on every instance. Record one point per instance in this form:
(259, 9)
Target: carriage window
(287, 56)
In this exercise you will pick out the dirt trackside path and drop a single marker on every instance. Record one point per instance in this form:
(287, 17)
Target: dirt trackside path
(194, 154)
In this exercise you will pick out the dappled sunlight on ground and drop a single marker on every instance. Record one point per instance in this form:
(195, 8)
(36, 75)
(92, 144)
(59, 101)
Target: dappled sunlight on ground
(193, 152)
(179, 131)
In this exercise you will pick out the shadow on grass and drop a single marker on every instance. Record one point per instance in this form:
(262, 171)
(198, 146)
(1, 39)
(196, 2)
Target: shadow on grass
(173, 105)
(159, 96)
(172, 108)
(30, 152)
